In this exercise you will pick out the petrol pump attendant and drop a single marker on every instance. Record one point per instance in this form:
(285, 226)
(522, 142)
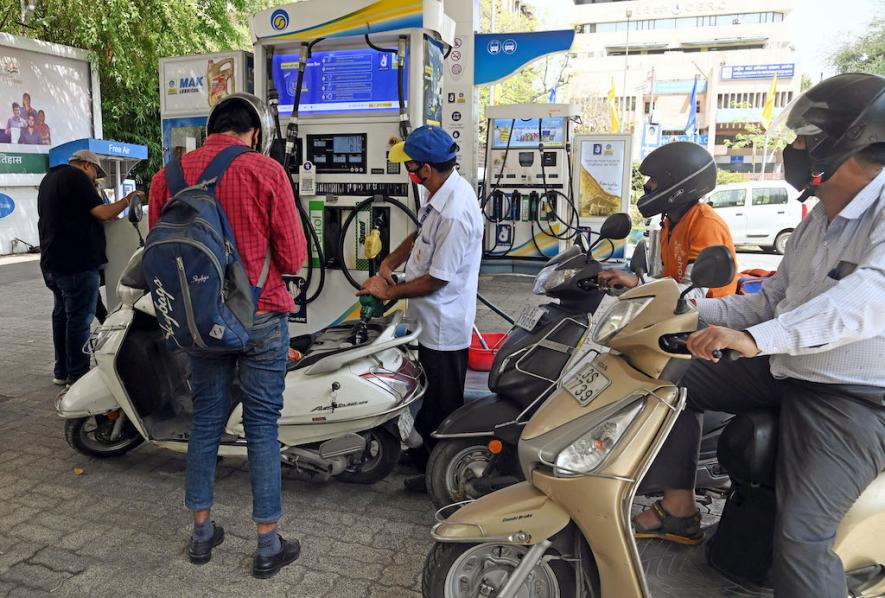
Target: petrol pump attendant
(442, 273)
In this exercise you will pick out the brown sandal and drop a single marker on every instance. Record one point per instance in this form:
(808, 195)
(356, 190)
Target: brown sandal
(681, 530)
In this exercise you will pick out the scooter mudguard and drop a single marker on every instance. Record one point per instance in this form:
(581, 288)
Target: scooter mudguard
(478, 417)
(520, 514)
(87, 396)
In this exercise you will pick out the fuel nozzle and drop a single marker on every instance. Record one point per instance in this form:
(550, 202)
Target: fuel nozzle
(372, 246)
(549, 204)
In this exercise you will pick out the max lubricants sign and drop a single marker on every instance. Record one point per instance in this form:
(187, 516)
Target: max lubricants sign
(197, 83)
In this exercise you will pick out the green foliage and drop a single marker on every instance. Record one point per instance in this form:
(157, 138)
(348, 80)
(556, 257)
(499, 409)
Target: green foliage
(805, 83)
(756, 137)
(127, 40)
(865, 54)
(637, 181)
(724, 177)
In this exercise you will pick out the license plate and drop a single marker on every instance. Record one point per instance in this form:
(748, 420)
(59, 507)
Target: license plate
(587, 384)
(405, 423)
(529, 317)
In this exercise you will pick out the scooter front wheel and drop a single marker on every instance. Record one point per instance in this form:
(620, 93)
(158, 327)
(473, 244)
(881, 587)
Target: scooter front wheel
(91, 436)
(477, 570)
(453, 464)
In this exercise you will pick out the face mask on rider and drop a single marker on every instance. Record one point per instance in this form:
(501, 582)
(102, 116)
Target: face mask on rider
(797, 167)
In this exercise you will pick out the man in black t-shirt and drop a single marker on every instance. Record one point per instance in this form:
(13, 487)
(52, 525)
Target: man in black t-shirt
(72, 245)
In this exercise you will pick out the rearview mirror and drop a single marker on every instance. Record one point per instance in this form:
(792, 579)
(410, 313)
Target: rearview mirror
(135, 212)
(616, 226)
(714, 267)
(639, 261)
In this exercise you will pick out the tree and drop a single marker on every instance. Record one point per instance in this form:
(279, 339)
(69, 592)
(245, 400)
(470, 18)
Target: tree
(755, 136)
(865, 54)
(127, 39)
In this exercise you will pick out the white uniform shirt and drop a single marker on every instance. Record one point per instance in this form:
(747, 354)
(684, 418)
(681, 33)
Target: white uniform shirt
(822, 316)
(448, 247)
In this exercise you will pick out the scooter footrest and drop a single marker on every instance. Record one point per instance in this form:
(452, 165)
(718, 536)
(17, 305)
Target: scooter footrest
(343, 445)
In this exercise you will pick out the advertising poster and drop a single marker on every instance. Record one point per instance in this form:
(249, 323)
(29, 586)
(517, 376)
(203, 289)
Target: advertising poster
(45, 101)
(433, 82)
(198, 83)
(601, 177)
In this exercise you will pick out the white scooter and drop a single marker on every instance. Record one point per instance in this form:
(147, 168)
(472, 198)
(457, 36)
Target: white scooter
(345, 405)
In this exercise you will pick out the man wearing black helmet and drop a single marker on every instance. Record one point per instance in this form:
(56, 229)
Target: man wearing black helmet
(679, 175)
(816, 339)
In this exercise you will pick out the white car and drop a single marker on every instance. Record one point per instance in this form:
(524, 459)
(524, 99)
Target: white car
(762, 213)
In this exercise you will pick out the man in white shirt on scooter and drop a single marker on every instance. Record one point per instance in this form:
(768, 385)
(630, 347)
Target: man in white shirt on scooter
(815, 342)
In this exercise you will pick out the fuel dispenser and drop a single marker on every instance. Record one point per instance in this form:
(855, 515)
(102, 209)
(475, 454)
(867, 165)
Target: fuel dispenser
(347, 89)
(527, 196)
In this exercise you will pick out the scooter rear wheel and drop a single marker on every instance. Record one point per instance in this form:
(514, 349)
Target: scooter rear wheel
(90, 436)
(377, 461)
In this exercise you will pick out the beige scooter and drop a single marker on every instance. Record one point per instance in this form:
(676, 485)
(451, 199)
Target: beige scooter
(567, 531)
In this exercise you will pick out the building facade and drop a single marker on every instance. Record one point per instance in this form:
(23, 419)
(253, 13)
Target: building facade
(657, 52)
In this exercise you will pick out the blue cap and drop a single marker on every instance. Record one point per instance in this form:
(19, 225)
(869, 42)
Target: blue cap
(425, 144)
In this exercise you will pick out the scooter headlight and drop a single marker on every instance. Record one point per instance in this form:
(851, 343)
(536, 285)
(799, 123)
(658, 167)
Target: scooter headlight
(589, 451)
(617, 318)
(549, 278)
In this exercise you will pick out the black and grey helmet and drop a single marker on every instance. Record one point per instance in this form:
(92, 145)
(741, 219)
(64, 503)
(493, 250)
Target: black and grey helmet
(838, 117)
(683, 171)
(262, 113)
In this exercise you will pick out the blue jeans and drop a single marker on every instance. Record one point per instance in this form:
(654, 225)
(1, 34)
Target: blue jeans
(75, 299)
(262, 375)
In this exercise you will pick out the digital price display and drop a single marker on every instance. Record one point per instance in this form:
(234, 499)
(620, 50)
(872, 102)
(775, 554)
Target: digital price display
(340, 82)
(524, 133)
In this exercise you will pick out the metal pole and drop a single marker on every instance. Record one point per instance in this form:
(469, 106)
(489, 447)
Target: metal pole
(651, 105)
(626, 56)
(492, 30)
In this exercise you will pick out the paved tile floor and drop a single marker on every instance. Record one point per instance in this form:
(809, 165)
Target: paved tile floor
(119, 529)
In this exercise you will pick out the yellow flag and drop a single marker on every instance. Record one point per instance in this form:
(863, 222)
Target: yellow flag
(768, 109)
(616, 122)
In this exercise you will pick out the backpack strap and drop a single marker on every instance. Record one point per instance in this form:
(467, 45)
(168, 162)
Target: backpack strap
(175, 178)
(212, 176)
(217, 167)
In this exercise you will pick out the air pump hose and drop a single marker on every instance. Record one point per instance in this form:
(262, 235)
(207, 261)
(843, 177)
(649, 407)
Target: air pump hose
(349, 220)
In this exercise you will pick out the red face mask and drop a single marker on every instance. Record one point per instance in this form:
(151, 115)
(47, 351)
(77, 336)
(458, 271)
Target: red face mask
(415, 177)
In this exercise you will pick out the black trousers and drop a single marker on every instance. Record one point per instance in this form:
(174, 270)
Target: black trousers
(831, 446)
(446, 372)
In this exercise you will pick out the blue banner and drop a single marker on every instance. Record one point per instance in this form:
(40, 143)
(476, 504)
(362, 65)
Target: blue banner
(499, 55)
(103, 147)
(758, 71)
(699, 139)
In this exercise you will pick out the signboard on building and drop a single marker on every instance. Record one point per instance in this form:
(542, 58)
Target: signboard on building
(699, 139)
(737, 72)
(679, 87)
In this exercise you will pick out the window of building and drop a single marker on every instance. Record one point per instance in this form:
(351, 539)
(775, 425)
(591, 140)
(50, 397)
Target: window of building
(730, 198)
(753, 18)
(770, 196)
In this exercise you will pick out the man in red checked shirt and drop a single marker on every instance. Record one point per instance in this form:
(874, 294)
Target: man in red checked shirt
(256, 195)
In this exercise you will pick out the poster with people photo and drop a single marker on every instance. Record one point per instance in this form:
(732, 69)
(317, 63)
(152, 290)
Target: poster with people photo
(45, 100)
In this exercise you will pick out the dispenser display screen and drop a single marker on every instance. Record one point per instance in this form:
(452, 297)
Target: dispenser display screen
(338, 153)
(524, 132)
(340, 82)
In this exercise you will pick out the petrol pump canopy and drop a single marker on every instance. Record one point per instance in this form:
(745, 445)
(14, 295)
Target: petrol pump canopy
(111, 154)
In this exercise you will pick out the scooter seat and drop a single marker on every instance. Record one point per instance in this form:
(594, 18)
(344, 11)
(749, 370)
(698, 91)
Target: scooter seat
(748, 448)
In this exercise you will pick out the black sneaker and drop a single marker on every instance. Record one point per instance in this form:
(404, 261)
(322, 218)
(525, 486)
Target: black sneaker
(265, 567)
(417, 484)
(200, 553)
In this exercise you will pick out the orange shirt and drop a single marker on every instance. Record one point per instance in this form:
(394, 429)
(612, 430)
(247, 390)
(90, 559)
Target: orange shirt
(699, 228)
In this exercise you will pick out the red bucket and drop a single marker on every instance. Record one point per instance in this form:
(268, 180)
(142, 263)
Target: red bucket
(480, 359)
